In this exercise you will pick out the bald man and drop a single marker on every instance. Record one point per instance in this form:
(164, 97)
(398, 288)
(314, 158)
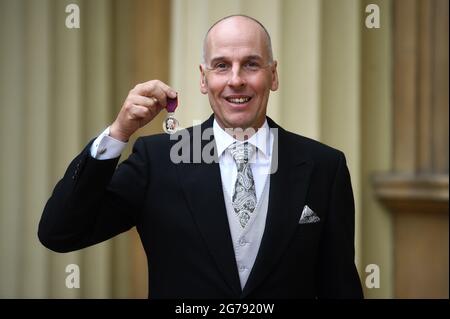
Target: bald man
(244, 209)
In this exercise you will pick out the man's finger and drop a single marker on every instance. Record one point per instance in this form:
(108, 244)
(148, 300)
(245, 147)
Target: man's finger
(143, 100)
(167, 89)
(160, 96)
(142, 112)
(149, 88)
(139, 112)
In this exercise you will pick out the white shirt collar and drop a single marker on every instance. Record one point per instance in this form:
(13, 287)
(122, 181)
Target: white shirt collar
(261, 139)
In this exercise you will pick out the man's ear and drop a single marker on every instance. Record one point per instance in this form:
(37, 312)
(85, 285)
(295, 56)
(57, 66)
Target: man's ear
(203, 82)
(274, 84)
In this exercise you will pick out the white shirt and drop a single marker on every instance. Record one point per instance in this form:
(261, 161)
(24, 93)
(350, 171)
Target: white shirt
(106, 147)
(246, 242)
(259, 163)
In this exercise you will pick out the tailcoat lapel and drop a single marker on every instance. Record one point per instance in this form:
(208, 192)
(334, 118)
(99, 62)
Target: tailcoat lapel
(202, 186)
(288, 188)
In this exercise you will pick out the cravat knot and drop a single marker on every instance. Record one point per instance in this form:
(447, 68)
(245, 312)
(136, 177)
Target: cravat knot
(241, 152)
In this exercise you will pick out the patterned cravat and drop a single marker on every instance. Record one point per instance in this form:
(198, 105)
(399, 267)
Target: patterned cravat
(244, 195)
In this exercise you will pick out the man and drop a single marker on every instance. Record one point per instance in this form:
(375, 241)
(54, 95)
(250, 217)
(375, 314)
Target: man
(272, 216)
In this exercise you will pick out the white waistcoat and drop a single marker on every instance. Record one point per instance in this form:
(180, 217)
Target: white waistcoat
(246, 241)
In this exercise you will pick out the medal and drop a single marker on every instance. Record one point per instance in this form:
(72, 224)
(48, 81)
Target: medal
(170, 124)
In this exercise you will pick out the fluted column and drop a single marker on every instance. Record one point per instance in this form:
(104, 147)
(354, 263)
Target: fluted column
(340, 109)
(59, 88)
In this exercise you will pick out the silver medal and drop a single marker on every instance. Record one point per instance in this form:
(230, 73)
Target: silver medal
(170, 124)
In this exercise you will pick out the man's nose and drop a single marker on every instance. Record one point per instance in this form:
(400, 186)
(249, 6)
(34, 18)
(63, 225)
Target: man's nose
(236, 79)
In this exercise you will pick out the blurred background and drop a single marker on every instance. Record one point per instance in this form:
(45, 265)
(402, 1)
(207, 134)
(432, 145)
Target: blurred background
(378, 94)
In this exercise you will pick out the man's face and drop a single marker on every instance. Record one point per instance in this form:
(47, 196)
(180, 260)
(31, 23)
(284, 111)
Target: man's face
(237, 74)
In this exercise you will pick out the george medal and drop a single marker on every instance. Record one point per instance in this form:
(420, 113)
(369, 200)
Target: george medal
(170, 124)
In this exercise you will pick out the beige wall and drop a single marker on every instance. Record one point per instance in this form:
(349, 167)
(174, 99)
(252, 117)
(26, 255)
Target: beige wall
(376, 146)
(340, 90)
(57, 86)
(61, 87)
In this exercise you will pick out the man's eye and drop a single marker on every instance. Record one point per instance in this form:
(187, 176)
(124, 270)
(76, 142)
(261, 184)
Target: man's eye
(252, 65)
(220, 66)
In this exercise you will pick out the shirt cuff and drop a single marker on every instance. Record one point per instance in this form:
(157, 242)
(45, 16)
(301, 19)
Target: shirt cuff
(105, 147)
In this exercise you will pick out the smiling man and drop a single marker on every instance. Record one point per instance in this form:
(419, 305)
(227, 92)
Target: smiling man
(238, 72)
(232, 228)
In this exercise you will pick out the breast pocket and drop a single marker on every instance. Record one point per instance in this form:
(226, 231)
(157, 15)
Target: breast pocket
(309, 233)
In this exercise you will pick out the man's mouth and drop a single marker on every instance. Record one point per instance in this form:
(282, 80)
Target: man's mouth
(238, 99)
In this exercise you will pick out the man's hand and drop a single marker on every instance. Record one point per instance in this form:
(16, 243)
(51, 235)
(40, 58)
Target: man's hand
(142, 104)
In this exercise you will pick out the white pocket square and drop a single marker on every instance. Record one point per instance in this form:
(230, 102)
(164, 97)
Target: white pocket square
(308, 216)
